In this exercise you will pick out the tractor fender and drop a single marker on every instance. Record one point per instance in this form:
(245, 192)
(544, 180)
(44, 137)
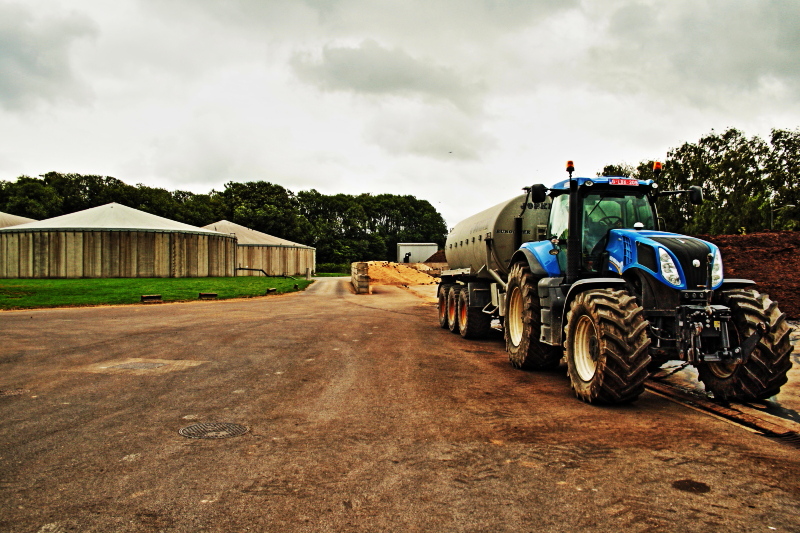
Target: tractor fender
(554, 304)
(523, 255)
(583, 285)
(729, 284)
(592, 283)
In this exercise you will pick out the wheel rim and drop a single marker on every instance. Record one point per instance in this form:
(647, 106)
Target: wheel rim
(586, 349)
(462, 315)
(451, 307)
(514, 317)
(722, 370)
(442, 306)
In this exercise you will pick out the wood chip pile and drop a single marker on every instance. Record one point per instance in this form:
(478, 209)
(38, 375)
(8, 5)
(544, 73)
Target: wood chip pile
(387, 273)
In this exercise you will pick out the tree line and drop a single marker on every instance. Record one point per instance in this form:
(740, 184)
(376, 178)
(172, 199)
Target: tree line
(342, 227)
(749, 184)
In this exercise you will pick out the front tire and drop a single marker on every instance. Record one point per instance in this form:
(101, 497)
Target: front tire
(523, 324)
(607, 346)
(765, 371)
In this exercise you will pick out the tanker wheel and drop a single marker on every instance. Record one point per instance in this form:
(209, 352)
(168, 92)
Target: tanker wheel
(523, 323)
(765, 371)
(452, 307)
(443, 290)
(607, 346)
(473, 323)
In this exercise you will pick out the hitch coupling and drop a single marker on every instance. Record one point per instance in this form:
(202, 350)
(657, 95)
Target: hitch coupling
(704, 335)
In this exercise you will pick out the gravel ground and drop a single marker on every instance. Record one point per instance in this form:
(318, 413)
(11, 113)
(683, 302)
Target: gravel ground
(361, 415)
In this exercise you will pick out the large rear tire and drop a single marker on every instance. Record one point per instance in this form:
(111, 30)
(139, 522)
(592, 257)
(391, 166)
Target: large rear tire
(765, 371)
(523, 324)
(442, 296)
(607, 346)
(473, 323)
(452, 308)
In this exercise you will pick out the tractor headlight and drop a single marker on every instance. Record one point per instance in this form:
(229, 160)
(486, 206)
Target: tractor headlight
(716, 269)
(668, 268)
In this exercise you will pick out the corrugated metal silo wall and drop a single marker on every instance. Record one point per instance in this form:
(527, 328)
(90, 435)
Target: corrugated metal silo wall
(275, 260)
(115, 254)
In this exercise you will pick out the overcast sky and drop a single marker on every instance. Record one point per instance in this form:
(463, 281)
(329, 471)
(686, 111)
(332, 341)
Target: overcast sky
(459, 102)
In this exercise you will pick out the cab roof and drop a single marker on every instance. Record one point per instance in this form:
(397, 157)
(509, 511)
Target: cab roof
(603, 180)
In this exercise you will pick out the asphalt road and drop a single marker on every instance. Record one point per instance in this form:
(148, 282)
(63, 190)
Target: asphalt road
(362, 415)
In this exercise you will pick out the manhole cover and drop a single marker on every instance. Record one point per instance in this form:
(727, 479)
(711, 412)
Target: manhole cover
(139, 366)
(213, 430)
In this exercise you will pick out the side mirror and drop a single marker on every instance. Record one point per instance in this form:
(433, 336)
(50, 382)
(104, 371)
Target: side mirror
(538, 193)
(695, 195)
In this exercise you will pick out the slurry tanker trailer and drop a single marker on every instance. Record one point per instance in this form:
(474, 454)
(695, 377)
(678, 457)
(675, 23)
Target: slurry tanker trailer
(585, 270)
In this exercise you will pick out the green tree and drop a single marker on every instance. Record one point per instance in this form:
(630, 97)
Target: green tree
(265, 207)
(349, 228)
(623, 170)
(783, 177)
(32, 198)
(198, 209)
(730, 168)
(742, 180)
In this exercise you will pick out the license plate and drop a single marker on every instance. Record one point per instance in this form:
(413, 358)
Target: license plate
(623, 181)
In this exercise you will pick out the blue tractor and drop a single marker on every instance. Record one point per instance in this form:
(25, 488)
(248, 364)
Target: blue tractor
(623, 297)
(617, 296)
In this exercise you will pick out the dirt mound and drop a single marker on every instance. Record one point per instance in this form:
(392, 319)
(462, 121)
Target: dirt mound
(438, 257)
(386, 273)
(770, 258)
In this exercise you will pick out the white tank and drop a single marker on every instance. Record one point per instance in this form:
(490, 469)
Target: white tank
(487, 240)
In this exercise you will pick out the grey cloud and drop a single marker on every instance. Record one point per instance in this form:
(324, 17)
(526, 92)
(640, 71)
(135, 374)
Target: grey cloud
(35, 57)
(462, 19)
(433, 133)
(373, 69)
(703, 52)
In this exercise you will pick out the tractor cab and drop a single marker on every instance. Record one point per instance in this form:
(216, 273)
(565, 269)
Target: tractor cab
(605, 204)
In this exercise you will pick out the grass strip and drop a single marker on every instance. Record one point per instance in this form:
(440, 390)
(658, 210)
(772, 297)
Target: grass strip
(34, 293)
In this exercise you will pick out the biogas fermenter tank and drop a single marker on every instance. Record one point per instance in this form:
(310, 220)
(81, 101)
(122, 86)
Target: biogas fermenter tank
(487, 240)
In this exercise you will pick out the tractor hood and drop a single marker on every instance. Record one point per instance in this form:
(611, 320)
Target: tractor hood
(677, 260)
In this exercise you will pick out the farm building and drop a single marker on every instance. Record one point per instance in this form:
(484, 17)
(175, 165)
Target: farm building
(114, 241)
(417, 252)
(259, 251)
(7, 220)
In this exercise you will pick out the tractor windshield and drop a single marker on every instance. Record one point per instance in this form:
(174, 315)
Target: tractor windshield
(605, 211)
(602, 211)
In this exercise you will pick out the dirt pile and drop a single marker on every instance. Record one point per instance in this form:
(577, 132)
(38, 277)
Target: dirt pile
(771, 259)
(386, 273)
(438, 257)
